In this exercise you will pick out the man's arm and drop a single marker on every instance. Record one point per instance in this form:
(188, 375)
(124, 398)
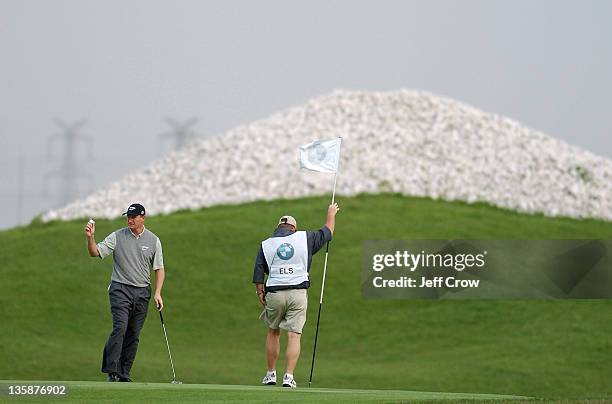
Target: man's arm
(160, 274)
(92, 248)
(261, 267)
(331, 217)
(102, 249)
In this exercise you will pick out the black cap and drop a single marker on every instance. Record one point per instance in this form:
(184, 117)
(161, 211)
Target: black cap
(135, 209)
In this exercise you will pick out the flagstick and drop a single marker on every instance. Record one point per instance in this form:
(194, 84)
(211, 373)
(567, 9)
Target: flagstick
(334, 192)
(314, 350)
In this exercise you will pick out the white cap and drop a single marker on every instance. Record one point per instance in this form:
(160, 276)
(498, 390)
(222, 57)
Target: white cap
(287, 220)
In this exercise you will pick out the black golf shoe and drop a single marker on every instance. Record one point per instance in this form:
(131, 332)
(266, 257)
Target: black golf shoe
(113, 377)
(125, 379)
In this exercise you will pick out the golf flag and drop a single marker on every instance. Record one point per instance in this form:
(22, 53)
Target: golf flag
(321, 155)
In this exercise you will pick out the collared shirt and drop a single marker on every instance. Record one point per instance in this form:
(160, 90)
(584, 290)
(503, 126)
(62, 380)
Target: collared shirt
(133, 255)
(315, 239)
(137, 236)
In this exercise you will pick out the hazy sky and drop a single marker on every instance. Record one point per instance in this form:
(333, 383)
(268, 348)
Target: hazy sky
(125, 65)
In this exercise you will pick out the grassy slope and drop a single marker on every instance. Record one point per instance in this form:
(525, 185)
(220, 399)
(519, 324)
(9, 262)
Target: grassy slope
(56, 317)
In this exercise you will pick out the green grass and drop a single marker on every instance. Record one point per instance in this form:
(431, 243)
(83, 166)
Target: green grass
(99, 392)
(56, 317)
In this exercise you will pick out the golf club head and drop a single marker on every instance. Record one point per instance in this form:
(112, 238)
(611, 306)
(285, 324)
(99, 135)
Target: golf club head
(176, 382)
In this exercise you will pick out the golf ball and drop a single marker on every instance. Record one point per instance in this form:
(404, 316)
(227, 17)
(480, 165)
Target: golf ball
(91, 221)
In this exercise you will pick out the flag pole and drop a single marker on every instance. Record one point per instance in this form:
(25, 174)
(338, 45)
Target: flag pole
(314, 350)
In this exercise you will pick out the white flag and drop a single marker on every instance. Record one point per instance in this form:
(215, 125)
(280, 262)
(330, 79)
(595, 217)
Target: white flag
(321, 155)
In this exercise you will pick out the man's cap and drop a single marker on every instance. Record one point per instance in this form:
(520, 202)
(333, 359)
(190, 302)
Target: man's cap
(135, 209)
(287, 220)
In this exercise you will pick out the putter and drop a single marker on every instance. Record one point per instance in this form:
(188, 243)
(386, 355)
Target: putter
(174, 381)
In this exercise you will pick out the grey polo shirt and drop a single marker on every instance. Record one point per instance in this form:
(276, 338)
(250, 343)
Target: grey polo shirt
(133, 256)
(315, 239)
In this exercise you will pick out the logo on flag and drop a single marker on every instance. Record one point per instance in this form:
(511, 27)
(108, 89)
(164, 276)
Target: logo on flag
(317, 154)
(321, 155)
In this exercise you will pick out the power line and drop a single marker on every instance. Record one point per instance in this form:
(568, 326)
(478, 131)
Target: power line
(180, 131)
(69, 172)
(20, 193)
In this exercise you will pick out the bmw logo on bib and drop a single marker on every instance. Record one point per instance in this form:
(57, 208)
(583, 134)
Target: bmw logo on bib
(285, 251)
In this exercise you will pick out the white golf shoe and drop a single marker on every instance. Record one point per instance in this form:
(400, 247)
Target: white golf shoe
(269, 378)
(289, 381)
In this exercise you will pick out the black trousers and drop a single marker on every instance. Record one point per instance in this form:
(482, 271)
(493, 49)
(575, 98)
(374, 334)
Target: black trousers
(129, 306)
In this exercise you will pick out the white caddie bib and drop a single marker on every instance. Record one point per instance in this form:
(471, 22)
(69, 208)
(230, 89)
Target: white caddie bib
(287, 259)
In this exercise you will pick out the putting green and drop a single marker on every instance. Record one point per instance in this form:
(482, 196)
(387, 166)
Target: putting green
(166, 392)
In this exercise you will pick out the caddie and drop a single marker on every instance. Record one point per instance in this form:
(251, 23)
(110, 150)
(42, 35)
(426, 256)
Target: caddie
(286, 257)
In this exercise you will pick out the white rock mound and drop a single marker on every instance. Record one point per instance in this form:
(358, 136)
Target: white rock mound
(409, 142)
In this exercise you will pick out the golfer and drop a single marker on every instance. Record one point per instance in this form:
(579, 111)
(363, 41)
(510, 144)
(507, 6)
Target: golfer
(285, 258)
(135, 251)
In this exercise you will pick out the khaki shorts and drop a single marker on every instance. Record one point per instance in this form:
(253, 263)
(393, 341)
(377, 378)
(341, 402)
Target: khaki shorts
(286, 309)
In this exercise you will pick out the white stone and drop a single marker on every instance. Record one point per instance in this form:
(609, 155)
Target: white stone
(405, 141)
